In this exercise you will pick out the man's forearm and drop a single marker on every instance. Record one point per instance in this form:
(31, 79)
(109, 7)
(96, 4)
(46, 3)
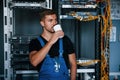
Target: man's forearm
(73, 72)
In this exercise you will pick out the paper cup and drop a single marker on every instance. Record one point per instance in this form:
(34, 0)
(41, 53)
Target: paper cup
(57, 27)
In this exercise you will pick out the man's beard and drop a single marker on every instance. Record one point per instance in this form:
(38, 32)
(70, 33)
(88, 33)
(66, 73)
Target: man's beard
(51, 31)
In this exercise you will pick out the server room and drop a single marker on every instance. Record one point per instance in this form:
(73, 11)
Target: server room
(90, 29)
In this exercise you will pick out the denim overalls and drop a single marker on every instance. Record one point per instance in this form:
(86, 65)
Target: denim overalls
(53, 68)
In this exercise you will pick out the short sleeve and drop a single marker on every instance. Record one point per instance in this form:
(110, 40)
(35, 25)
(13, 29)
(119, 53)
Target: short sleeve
(34, 45)
(69, 49)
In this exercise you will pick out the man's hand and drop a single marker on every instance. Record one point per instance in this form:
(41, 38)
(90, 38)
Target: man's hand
(56, 36)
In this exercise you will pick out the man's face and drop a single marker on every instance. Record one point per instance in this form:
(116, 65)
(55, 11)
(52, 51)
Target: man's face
(49, 22)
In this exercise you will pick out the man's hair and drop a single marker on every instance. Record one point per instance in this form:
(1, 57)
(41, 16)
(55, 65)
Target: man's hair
(46, 12)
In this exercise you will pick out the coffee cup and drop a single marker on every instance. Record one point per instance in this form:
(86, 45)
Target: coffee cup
(57, 27)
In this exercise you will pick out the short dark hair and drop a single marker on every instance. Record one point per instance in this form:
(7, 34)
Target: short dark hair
(46, 12)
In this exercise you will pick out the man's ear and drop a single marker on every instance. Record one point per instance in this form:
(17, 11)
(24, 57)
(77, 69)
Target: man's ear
(42, 23)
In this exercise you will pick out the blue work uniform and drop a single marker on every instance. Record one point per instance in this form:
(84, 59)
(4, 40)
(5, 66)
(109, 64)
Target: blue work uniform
(53, 68)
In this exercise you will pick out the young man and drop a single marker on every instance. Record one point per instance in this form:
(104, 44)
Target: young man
(52, 51)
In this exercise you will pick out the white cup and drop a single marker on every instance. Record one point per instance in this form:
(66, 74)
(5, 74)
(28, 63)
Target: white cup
(57, 27)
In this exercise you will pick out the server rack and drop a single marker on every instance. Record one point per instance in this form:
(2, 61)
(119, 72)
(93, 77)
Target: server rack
(15, 44)
(87, 10)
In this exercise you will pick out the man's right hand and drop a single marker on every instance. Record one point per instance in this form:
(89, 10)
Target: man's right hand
(56, 36)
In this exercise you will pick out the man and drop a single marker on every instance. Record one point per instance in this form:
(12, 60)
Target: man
(52, 51)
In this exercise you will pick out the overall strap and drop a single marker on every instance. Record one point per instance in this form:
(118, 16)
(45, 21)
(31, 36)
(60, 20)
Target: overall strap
(41, 41)
(60, 44)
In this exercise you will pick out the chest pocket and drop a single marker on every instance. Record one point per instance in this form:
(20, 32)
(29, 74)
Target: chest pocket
(53, 67)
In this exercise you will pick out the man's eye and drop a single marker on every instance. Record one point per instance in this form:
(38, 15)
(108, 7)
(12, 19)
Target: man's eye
(50, 20)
